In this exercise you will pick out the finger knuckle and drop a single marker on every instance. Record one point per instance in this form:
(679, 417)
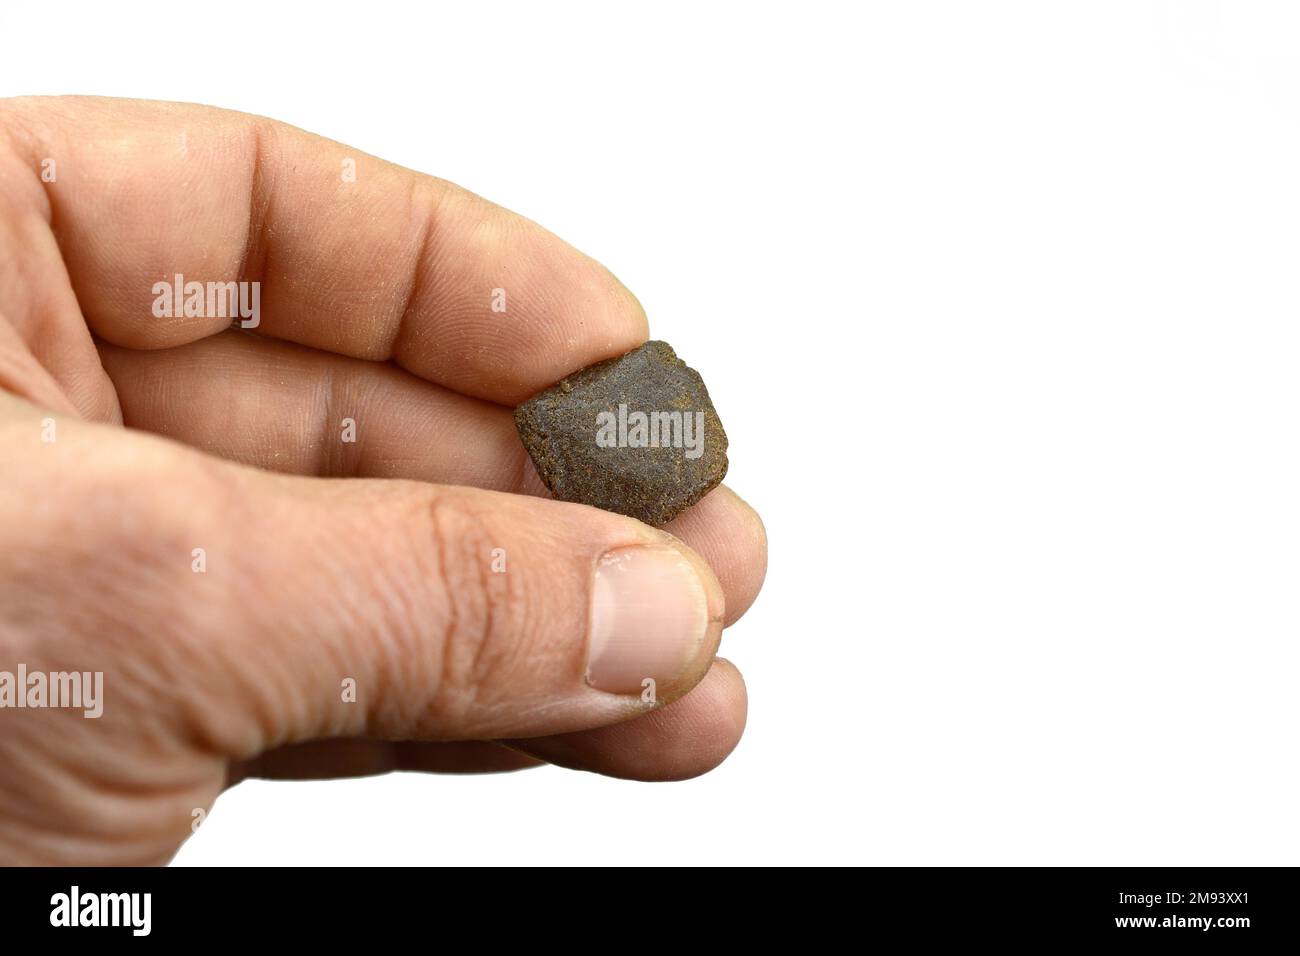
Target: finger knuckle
(479, 653)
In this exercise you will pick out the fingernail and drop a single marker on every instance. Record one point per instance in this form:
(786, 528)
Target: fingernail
(650, 617)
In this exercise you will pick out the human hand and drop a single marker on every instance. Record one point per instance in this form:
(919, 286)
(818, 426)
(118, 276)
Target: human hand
(241, 572)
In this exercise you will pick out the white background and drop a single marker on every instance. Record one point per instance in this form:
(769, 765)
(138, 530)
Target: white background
(998, 303)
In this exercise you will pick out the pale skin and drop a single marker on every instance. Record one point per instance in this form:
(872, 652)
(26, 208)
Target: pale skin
(324, 561)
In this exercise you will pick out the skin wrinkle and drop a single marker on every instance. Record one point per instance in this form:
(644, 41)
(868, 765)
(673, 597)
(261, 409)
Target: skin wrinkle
(350, 613)
(331, 453)
(401, 635)
(67, 848)
(477, 669)
(259, 205)
(447, 519)
(99, 796)
(417, 269)
(21, 375)
(29, 151)
(99, 805)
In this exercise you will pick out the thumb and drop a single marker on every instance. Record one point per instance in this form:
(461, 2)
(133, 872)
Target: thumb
(399, 609)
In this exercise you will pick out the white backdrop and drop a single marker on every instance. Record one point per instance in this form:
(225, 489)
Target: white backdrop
(998, 303)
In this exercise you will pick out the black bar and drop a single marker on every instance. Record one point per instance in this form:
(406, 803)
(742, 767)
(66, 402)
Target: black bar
(1226, 907)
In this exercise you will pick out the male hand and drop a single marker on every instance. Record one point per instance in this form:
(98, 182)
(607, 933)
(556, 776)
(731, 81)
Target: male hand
(181, 509)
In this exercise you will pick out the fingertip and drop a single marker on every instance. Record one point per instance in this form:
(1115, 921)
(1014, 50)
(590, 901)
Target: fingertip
(677, 741)
(731, 538)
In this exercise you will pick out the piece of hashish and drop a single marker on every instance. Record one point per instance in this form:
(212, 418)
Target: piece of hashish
(636, 434)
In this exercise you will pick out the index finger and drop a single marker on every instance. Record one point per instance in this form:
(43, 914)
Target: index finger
(352, 254)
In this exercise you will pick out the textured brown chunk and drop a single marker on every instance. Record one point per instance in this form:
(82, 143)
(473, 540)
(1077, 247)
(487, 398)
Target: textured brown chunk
(636, 435)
